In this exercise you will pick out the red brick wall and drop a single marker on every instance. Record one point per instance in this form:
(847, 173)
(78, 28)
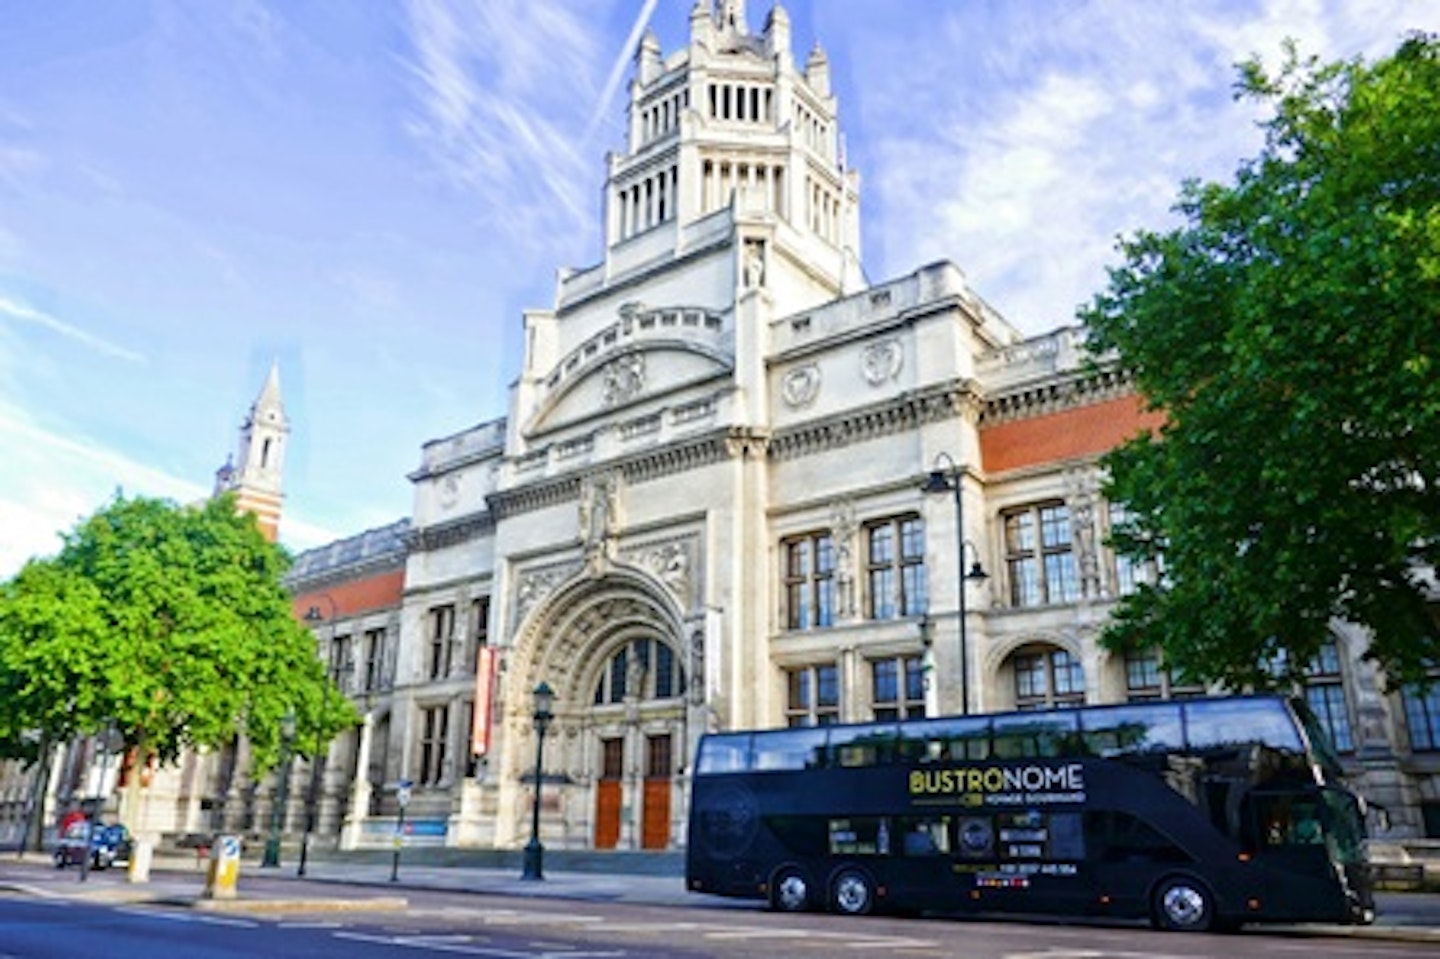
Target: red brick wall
(353, 598)
(1069, 434)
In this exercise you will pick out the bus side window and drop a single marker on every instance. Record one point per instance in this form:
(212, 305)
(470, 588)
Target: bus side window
(925, 837)
(1114, 836)
(860, 835)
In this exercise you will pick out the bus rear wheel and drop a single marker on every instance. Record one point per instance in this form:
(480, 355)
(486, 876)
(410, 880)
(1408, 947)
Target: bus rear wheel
(790, 891)
(852, 893)
(1183, 904)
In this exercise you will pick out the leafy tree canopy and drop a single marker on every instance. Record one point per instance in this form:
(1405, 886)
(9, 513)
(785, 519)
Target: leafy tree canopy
(1290, 331)
(168, 624)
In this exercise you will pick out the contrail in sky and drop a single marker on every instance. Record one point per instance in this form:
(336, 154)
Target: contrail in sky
(617, 72)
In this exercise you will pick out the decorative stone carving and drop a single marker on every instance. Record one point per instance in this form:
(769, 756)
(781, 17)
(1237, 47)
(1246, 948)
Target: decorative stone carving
(624, 378)
(754, 264)
(844, 526)
(697, 667)
(599, 515)
(800, 386)
(1082, 523)
(533, 588)
(881, 361)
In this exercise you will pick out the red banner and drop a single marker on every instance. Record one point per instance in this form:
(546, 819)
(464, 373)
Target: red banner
(484, 701)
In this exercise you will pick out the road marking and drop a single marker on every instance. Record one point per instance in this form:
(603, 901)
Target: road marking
(431, 943)
(186, 917)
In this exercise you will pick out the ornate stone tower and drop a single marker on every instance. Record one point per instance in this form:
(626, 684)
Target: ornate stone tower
(255, 475)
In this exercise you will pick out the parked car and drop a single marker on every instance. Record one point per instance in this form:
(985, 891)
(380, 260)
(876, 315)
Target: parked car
(110, 844)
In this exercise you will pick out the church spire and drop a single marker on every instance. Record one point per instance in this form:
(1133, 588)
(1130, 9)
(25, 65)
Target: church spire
(256, 472)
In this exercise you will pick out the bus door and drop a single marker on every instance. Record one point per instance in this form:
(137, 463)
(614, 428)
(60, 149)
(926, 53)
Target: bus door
(1309, 850)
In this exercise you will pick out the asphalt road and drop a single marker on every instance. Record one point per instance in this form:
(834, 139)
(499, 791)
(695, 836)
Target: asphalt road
(58, 921)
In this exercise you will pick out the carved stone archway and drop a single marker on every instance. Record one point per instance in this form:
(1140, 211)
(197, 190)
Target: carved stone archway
(566, 642)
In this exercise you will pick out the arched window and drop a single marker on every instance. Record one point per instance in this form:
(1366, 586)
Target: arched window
(1046, 677)
(642, 669)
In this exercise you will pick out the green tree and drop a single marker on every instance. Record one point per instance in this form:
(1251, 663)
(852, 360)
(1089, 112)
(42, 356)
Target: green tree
(1290, 332)
(169, 625)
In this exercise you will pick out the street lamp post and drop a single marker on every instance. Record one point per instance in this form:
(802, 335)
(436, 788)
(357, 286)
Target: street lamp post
(534, 851)
(282, 792)
(333, 672)
(951, 479)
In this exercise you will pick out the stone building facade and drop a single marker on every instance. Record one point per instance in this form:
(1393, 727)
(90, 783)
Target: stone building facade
(706, 507)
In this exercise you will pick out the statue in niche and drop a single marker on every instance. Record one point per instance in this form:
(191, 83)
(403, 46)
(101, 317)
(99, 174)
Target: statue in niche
(843, 528)
(599, 517)
(1082, 527)
(697, 667)
(754, 264)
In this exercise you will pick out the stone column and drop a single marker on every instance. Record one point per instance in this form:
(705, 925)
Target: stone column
(359, 808)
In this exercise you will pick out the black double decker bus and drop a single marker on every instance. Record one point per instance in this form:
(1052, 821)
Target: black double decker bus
(1199, 814)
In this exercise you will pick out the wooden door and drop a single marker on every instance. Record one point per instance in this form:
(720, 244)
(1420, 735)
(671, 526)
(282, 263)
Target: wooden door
(608, 794)
(655, 814)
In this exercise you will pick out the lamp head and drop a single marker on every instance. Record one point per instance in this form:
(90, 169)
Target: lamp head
(938, 482)
(287, 725)
(544, 699)
(976, 573)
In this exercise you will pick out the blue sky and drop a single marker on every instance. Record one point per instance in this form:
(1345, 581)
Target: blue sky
(370, 193)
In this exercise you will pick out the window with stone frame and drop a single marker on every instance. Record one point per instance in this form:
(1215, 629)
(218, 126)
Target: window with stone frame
(645, 669)
(341, 662)
(434, 731)
(374, 649)
(1047, 678)
(813, 695)
(1422, 712)
(1325, 694)
(442, 641)
(898, 687)
(1039, 555)
(1147, 680)
(1130, 573)
(809, 581)
(895, 579)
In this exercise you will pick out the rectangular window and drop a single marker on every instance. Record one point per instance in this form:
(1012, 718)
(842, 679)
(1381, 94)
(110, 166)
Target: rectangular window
(342, 661)
(898, 687)
(442, 635)
(1039, 557)
(895, 568)
(434, 729)
(658, 762)
(814, 696)
(374, 658)
(612, 758)
(1142, 677)
(1422, 715)
(809, 581)
(1325, 694)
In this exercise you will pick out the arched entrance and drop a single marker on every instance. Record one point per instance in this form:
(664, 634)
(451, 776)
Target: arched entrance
(610, 647)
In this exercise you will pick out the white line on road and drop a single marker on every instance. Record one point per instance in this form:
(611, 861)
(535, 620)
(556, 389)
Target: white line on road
(186, 917)
(431, 943)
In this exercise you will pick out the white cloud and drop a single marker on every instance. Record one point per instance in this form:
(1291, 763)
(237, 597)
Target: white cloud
(53, 479)
(495, 115)
(27, 314)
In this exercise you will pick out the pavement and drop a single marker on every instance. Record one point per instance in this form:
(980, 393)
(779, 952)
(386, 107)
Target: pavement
(364, 883)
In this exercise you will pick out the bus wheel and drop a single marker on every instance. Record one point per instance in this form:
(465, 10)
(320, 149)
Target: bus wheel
(1183, 905)
(790, 892)
(853, 893)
